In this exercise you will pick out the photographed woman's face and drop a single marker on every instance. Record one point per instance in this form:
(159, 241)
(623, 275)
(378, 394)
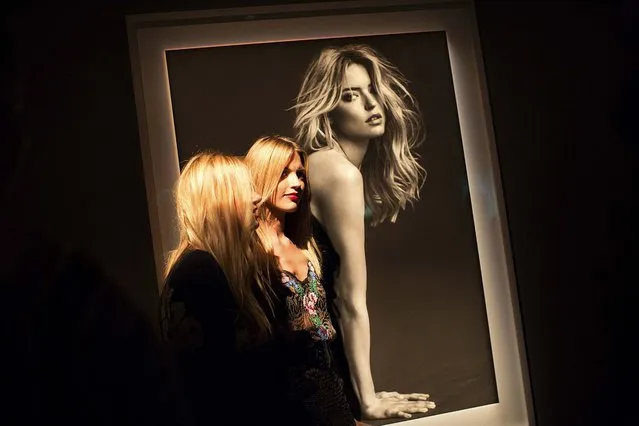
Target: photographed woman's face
(359, 116)
(291, 186)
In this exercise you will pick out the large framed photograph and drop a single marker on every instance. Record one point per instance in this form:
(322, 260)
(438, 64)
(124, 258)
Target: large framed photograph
(441, 290)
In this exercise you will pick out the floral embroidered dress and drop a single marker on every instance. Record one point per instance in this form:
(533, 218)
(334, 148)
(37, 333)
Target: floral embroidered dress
(314, 382)
(307, 305)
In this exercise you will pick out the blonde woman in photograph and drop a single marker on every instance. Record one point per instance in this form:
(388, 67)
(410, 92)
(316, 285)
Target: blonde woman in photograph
(360, 125)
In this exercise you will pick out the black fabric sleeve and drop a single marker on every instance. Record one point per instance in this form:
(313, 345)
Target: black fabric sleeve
(199, 318)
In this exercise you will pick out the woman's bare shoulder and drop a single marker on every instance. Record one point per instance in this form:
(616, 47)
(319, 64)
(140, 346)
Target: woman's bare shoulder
(330, 166)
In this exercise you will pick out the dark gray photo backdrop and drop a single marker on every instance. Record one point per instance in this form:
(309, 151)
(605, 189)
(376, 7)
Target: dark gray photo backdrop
(429, 328)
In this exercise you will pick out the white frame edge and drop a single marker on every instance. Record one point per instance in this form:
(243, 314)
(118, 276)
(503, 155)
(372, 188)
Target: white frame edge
(150, 36)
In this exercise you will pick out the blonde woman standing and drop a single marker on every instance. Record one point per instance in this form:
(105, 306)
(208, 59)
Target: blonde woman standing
(278, 166)
(218, 312)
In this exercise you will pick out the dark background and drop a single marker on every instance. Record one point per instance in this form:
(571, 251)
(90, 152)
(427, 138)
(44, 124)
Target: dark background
(429, 331)
(559, 76)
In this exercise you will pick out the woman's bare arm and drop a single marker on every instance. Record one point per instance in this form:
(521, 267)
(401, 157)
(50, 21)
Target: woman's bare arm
(338, 203)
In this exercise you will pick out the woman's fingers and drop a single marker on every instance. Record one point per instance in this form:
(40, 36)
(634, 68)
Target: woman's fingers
(394, 404)
(388, 395)
(402, 414)
(403, 396)
(417, 396)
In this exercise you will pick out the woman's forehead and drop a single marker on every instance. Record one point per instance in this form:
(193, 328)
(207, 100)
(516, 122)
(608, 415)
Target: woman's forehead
(295, 162)
(355, 76)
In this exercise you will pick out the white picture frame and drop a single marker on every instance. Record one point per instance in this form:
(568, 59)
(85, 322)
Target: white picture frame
(152, 35)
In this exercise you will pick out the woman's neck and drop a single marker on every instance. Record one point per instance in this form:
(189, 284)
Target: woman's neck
(274, 227)
(354, 150)
(276, 239)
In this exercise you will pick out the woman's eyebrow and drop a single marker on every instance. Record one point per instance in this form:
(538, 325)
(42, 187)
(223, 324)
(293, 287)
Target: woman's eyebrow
(353, 88)
(300, 168)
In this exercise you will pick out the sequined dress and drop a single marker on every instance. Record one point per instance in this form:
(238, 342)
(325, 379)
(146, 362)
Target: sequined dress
(313, 378)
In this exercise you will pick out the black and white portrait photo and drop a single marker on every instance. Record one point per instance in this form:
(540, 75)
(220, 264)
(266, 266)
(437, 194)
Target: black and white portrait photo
(429, 331)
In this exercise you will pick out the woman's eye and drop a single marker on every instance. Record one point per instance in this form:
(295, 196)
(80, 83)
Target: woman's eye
(348, 96)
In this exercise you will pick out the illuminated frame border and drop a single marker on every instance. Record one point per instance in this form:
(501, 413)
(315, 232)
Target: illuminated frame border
(151, 35)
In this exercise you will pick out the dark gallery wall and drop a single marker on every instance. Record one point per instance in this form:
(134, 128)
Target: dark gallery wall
(72, 170)
(557, 81)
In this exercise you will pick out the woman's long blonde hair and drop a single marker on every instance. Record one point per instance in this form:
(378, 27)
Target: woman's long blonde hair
(267, 158)
(390, 169)
(214, 195)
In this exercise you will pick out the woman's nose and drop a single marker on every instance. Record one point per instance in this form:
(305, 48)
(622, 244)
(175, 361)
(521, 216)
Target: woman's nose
(256, 198)
(371, 102)
(296, 182)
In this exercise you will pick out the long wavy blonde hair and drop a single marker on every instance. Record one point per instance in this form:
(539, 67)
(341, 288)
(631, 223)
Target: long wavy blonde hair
(214, 195)
(267, 158)
(391, 171)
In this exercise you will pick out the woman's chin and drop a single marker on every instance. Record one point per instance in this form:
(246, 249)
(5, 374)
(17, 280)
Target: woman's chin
(378, 134)
(287, 206)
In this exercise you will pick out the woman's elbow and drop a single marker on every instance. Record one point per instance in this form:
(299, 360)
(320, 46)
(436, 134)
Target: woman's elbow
(351, 307)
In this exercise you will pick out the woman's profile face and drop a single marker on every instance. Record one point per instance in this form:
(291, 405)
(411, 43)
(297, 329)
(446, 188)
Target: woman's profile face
(359, 115)
(255, 201)
(290, 189)
(245, 197)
